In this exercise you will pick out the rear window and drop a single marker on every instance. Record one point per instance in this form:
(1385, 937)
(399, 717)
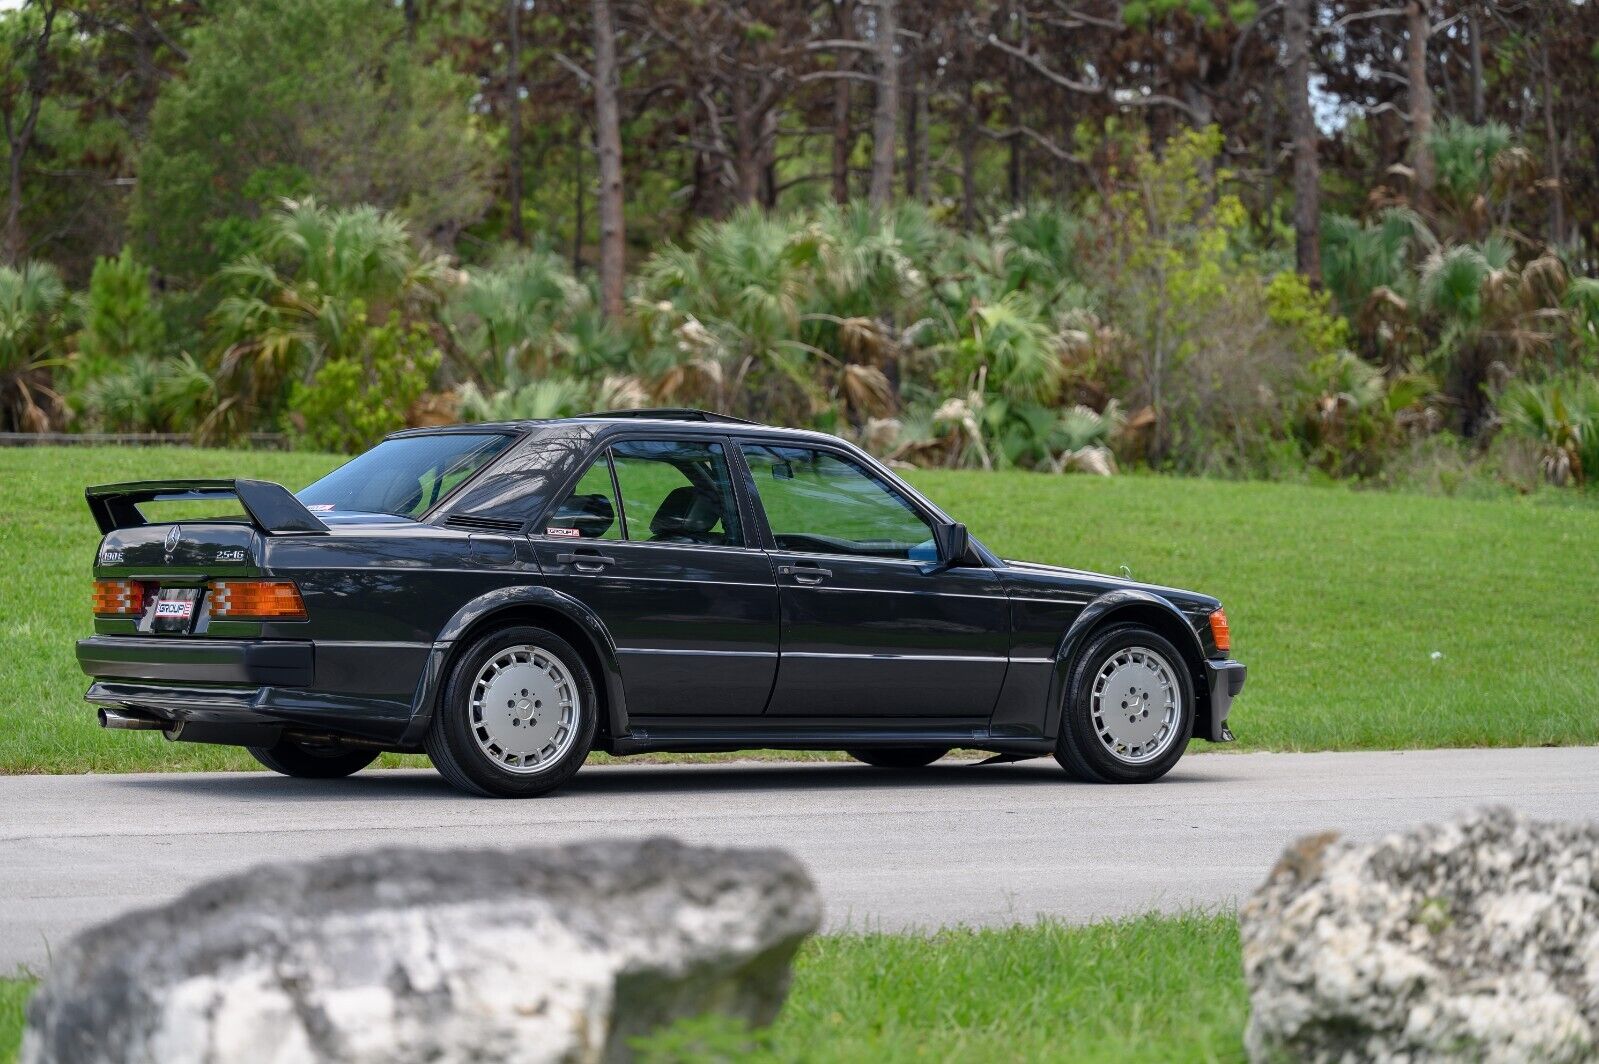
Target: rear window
(406, 477)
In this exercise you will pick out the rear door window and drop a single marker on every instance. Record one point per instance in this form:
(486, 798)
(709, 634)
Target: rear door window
(671, 491)
(589, 511)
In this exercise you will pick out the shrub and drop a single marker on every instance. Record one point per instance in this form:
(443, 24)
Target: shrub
(1561, 417)
(120, 316)
(351, 403)
(301, 98)
(148, 393)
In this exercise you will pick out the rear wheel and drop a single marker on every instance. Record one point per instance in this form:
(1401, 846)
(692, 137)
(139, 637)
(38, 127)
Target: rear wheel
(1129, 709)
(312, 761)
(517, 717)
(899, 756)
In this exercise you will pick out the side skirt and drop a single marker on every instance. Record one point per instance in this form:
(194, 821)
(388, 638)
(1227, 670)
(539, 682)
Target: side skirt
(668, 736)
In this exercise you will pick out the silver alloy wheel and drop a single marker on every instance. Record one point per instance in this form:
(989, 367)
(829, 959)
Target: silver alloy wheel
(1136, 706)
(524, 710)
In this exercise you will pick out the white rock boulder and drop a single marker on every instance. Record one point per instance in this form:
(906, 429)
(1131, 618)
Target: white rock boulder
(1472, 940)
(441, 956)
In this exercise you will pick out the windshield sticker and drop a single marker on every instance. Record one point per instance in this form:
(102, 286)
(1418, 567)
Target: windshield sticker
(553, 531)
(320, 508)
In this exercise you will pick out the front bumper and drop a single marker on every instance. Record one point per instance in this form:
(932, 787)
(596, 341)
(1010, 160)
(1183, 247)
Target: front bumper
(222, 661)
(1225, 679)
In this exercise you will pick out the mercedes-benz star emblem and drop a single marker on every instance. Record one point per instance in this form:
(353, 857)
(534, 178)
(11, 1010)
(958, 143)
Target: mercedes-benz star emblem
(172, 537)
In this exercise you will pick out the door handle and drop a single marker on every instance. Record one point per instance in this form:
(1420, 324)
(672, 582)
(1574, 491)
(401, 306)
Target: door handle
(588, 561)
(805, 574)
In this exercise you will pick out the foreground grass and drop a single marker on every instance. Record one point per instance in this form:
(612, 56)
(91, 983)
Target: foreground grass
(1368, 620)
(13, 996)
(1150, 988)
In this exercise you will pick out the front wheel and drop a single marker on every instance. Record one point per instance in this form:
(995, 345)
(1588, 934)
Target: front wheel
(312, 761)
(1129, 709)
(517, 717)
(899, 756)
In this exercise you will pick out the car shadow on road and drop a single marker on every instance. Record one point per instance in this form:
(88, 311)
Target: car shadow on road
(634, 780)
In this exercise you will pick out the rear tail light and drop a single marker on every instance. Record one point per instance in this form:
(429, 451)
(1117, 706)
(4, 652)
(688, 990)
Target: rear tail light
(256, 600)
(118, 598)
(1219, 631)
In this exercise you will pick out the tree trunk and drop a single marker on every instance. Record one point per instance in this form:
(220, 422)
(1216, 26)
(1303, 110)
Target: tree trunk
(16, 241)
(1557, 192)
(1016, 160)
(1302, 122)
(768, 156)
(1479, 110)
(608, 136)
(915, 128)
(885, 118)
(513, 119)
(1418, 26)
(580, 223)
(968, 155)
(746, 143)
(843, 131)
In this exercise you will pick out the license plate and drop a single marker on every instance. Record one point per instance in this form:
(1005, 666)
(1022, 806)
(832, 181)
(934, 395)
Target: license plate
(174, 609)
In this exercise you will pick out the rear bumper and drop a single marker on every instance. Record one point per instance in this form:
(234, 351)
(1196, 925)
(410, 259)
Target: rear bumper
(1225, 679)
(234, 691)
(221, 661)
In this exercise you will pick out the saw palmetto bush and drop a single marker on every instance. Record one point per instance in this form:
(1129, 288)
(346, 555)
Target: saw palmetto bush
(32, 304)
(1370, 269)
(516, 318)
(1492, 316)
(1561, 417)
(323, 286)
(1352, 416)
(147, 393)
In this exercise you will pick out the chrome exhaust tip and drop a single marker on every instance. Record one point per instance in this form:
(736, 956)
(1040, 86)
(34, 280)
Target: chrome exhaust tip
(118, 720)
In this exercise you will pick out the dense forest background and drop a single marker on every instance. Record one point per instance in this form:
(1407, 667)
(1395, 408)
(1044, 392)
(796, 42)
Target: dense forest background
(1296, 238)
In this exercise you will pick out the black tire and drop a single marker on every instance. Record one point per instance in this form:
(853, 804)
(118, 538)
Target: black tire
(454, 747)
(899, 756)
(1079, 748)
(312, 761)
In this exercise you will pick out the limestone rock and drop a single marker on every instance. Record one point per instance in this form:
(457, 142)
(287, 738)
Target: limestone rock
(406, 955)
(1476, 940)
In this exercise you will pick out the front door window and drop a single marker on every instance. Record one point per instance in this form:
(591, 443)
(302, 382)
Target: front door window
(819, 503)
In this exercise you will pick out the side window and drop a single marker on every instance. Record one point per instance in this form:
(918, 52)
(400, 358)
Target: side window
(589, 512)
(677, 491)
(819, 503)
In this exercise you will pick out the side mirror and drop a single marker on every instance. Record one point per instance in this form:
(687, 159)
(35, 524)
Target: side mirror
(953, 543)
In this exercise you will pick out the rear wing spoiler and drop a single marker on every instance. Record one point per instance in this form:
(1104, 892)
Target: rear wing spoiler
(272, 508)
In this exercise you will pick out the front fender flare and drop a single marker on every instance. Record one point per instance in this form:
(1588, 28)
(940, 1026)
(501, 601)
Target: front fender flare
(1106, 608)
(509, 600)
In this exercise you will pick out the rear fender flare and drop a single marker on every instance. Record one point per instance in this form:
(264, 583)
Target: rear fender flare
(509, 601)
(1133, 606)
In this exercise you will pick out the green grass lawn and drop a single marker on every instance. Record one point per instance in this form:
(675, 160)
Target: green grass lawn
(1368, 620)
(13, 996)
(1150, 988)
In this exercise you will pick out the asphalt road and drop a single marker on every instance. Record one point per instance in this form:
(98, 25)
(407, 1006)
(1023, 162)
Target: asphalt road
(956, 843)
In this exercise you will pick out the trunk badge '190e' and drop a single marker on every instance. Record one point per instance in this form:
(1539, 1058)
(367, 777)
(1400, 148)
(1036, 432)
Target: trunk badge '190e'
(172, 539)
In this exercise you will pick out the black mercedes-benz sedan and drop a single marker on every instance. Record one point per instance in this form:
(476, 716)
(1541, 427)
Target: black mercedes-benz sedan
(507, 597)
